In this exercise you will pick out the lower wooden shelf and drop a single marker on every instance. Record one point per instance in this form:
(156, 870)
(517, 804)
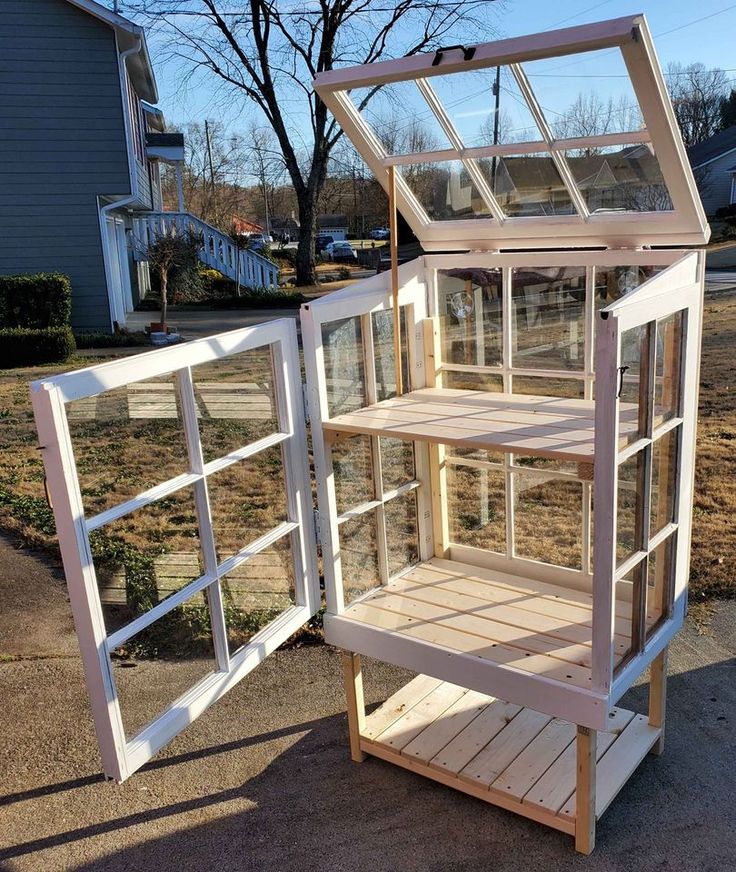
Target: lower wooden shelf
(507, 755)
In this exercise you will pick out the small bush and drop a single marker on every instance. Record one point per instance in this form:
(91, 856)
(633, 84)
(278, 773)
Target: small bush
(21, 346)
(35, 301)
(726, 212)
(286, 255)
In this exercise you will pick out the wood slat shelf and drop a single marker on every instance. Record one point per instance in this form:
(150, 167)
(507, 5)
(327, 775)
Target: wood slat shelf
(552, 427)
(505, 754)
(524, 624)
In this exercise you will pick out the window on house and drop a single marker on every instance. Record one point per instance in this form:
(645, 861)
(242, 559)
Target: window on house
(136, 121)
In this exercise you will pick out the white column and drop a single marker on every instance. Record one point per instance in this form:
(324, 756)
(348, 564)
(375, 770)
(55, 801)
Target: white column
(180, 185)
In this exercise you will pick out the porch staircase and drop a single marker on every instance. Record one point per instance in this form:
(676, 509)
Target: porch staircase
(218, 251)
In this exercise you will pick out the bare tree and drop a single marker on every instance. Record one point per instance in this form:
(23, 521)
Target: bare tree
(270, 52)
(697, 94)
(591, 115)
(266, 165)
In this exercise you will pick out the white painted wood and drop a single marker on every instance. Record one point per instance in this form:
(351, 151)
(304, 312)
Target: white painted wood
(122, 755)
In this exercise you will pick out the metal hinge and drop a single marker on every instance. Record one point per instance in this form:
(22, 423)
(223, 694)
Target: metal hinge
(317, 527)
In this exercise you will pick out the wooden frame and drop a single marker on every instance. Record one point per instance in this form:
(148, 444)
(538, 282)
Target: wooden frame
(684, 225)
(122, 755)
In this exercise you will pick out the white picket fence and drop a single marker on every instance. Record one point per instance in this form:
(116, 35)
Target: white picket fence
(218, 250)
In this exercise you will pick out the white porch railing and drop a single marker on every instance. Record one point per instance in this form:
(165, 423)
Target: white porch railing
(218, 250)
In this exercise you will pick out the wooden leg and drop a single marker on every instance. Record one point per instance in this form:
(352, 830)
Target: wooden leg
(586, 744)
(658, 698)
(356, 707)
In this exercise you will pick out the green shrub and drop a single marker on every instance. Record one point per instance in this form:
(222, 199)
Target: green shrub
(21, 346)
(35, 301)
(123, 339)
(726, 212)
(287, 255)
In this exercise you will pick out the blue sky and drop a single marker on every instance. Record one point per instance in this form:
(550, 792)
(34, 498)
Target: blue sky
(683, 31)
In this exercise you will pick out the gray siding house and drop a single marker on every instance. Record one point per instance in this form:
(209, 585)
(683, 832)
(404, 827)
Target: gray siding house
(76, 105)
(714, 166)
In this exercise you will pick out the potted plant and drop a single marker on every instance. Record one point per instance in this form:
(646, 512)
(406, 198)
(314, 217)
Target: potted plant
(170, 248)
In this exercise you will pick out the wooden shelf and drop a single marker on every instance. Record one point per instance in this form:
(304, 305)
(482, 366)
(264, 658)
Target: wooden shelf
(505, 754)
(552, 427)
(530, 626)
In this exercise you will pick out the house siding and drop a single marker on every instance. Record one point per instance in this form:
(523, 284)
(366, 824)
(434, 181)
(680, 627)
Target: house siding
(714, 182)
(62, 144)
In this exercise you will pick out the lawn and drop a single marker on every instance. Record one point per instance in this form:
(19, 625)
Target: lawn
(128, 441)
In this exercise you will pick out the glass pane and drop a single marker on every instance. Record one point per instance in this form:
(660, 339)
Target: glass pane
(667, 367)
(631, 411)
(473, 381)
(342, 342)
(585, 94)
(495, 457)
(548, 324)
(548, 520)
(255, 592)
(397, 462)
(620, 178)
(469, 98)
(612, 283)
(664, 469)
(142, 558)
(159, 664)
(352, 466)
(236, 402)
(628, 532)
(400, 118)
(539, 386)
(625, 593)
(359, 555)
(384, 357)
(546, 463)
(247, 499)
(476, 505)
(660, 583)
(446, 190)
(528, 185)
(402, 535)
(126, 441)
(470, 313)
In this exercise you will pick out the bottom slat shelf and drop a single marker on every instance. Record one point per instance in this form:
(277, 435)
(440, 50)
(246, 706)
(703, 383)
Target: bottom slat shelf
(505, 754)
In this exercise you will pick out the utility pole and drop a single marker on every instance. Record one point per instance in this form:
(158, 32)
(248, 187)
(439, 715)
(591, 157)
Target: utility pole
(209, 156)
(496, 120)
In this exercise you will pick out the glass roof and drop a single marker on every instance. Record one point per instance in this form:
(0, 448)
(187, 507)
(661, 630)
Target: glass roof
(564, 138)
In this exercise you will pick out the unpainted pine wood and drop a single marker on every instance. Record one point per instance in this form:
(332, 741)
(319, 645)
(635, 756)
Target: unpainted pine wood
(531, 764)
(486, 620)
(444, 728)
(500, 752)
(438, 499)
(618, 764)
(353, 678)
(557, 784)
(441, 633)
(420, 716)
(394, 253)
(471, 740)
(398, 704)
(658, 697)
(517, 584)
(585, 790)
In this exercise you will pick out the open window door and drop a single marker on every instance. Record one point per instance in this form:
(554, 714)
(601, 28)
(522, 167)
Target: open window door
(180, 487)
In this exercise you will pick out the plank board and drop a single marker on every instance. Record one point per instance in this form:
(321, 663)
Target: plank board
(509, 756)
(527, 425)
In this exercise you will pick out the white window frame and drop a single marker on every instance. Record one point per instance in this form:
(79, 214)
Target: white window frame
(121, 755)
(685, 225)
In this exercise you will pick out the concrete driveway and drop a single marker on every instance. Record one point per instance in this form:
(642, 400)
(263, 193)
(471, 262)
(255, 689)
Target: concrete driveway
(196, 323)
(263, 781)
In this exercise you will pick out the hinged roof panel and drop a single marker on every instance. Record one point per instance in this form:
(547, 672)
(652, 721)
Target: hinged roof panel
(513, 144)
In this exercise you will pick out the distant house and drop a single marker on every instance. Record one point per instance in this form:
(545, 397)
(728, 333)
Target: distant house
(335, 226)
(245, 227)
(714, 165)
(285, 229)
(80, 148)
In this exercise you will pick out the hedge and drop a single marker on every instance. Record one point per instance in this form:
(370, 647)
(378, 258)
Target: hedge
(35, 301)
(21, 346)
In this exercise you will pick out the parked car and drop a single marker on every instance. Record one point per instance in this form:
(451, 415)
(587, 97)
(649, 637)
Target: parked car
(340, 251)
(322, 241)
(260, 240)
(380, 233)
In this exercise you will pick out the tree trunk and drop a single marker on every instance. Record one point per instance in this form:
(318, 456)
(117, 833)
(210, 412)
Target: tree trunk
(164, 277)
(305, 272)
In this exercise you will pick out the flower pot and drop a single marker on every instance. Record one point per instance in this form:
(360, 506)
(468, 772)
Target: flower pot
(157, 327)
